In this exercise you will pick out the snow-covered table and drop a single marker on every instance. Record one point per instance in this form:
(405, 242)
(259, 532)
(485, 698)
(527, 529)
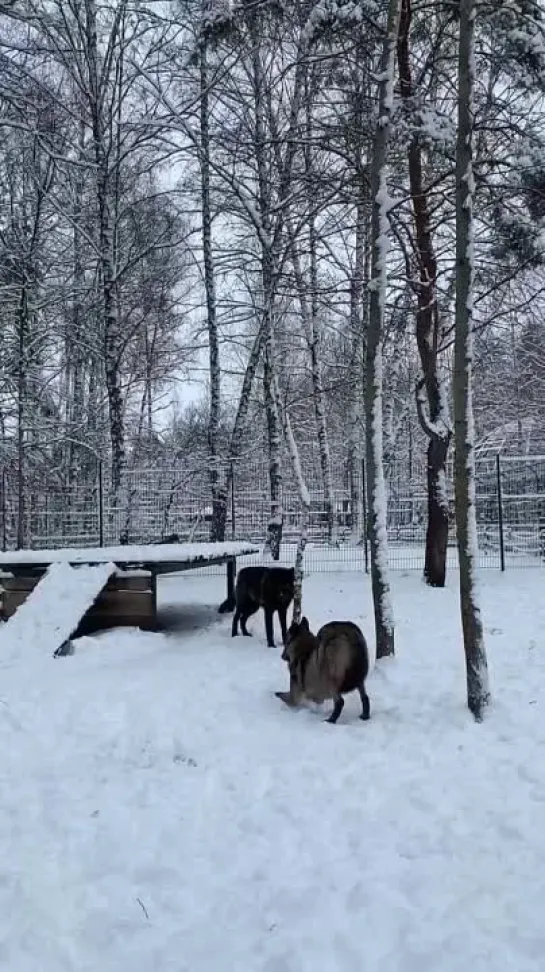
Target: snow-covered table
(27, 567)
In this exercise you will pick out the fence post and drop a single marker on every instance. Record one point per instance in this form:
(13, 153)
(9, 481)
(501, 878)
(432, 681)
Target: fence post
(500, 511)
(364, 509)
(233, 504)
(100, 505)
(4, 512)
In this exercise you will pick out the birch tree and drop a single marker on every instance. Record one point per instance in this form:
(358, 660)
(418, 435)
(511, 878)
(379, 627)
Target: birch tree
(304, 499)
(376, 493)
(478, 693)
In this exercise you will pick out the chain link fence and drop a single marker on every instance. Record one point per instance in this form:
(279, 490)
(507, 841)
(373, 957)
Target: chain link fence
(157, 503)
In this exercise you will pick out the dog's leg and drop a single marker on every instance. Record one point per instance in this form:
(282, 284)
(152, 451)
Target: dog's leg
(293, 697)
(365, 704)
(234, 629)
(269, 627)
(282, 612)
(337, 709)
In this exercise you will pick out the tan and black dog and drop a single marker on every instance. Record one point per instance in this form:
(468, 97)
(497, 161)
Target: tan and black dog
(327, 665)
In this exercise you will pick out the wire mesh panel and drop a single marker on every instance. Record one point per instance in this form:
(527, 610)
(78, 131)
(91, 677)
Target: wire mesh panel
(157, 503)
(51, 515)
(523, 504)
(487, 509)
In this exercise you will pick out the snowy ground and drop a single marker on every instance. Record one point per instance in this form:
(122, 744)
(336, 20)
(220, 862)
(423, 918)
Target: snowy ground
(161, 811)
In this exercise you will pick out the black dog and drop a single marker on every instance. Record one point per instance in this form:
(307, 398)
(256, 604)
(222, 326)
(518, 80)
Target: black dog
(268, 587)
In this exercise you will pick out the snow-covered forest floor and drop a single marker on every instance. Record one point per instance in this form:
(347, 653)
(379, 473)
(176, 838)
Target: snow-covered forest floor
(161, 811)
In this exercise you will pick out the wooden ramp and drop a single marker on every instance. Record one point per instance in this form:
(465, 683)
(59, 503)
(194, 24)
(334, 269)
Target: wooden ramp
(53, 610)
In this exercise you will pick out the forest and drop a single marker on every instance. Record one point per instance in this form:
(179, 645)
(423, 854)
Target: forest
(302, 235)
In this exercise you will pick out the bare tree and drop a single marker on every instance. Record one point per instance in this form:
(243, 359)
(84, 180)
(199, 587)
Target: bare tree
(217, 479)
(104, 145)
(431, 399)
(478, 693)
(376, 493)
(314, 330)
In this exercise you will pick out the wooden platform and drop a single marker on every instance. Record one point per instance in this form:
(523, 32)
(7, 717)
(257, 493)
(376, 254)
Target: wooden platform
(130, 596)
(128, 600)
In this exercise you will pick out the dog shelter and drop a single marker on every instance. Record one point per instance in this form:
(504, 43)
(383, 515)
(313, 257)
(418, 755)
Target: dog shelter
(79, 590)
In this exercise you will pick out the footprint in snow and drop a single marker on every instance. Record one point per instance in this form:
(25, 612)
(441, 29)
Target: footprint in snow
(187, 760)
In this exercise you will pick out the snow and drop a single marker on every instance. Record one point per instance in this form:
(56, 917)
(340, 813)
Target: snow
(529, 40)
(52, 611)
(443, 424)
(435, 127)
(384, 199)
(154, 554)
(384, 203)
(161, 809)
(216, 13)
(333, 13)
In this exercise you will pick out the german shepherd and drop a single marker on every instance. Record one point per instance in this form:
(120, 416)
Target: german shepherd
(268, 587)
(327, 665)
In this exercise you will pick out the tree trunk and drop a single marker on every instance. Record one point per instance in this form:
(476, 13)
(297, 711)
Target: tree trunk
(243, 408)
(304, 499)
(376, 492)
(217, 483)
(309, 316)
(314, 331)
(245, 398)
(74, 356)
(359, 281)
(428, 334)
(435, 562)
(21, 414)
(438, 520)
(395, 410)
(358, 331)
(478, 694)
(274, 528)
(93, 416)
(111, 336)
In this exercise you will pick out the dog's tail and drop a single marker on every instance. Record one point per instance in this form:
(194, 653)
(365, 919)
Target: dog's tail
(227, 606)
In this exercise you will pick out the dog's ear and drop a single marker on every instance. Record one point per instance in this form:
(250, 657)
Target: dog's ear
(304, 626)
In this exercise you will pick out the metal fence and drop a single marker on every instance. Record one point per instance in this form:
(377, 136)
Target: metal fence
(157, 502)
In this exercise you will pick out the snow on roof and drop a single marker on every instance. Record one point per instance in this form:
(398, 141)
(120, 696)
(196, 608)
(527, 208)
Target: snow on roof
(172, 553)
(53, 610)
